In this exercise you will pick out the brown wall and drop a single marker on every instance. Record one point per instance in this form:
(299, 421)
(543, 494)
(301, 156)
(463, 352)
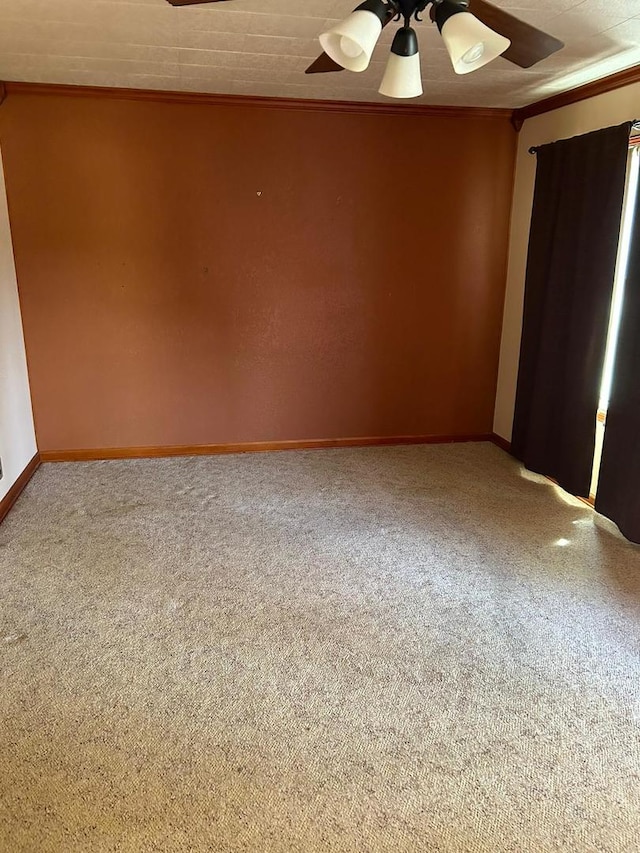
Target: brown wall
(196, 274)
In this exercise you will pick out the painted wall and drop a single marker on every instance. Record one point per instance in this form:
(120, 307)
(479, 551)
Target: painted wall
(194, 274)
(602, 111)
(17, 437)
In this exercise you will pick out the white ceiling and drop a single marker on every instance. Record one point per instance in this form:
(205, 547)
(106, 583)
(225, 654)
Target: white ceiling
(261, 47)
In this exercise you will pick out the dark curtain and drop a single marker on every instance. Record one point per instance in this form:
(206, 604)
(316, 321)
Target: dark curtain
(573, 245)
(619, 485)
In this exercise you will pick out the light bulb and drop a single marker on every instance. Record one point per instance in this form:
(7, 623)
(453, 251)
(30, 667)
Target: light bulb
(474, 53)
(349, 47)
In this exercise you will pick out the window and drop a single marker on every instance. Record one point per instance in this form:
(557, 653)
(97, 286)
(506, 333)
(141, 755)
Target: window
(617, 304)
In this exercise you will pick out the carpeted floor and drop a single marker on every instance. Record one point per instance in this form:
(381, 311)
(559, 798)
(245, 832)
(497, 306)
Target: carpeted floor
(399, 649)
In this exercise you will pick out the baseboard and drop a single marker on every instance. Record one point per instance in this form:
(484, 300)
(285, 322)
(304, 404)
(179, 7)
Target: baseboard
(85, 455)
(501, 442)
(14, 492)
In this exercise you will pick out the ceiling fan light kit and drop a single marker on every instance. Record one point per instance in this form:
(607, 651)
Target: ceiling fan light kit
(402, 77)
(470, 43)
(351, 42)
(474, 32)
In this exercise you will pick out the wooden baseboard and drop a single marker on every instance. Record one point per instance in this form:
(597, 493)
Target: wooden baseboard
(85, 455)
(14, 492)
(501, 442)
(590, 501)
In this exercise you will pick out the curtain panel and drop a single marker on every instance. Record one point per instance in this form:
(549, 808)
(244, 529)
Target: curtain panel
(577, 210)
(618, 494)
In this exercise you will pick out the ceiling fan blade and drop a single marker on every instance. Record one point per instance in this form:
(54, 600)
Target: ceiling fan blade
(324, 64)
(193, 2)
(528, 44)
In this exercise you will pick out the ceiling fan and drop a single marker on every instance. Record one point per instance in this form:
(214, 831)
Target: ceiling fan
(474, 32)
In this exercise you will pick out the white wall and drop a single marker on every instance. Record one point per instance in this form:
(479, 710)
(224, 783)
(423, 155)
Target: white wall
(602, 111)
(17, 437)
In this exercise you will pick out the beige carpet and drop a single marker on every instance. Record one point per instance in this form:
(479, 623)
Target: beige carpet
(402, 649)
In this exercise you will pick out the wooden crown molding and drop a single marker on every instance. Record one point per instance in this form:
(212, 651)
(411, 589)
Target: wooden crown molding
(517, 117)
(590, 90)
(297, 104)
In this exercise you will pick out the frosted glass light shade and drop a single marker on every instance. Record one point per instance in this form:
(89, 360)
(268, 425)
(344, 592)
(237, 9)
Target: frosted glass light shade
(470, 43)
(402, 77)
(351, 42)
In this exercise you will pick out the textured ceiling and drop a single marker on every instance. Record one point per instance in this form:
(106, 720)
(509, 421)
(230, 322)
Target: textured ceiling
(261, 47)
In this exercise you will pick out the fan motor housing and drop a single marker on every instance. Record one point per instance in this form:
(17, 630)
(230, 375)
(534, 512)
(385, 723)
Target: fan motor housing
(412, 8)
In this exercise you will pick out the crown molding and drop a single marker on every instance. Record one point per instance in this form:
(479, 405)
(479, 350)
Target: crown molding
(573, 96)
(517, 116)
(296, 104)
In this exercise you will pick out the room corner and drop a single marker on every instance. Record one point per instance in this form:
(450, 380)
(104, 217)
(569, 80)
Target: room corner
(17, 435)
